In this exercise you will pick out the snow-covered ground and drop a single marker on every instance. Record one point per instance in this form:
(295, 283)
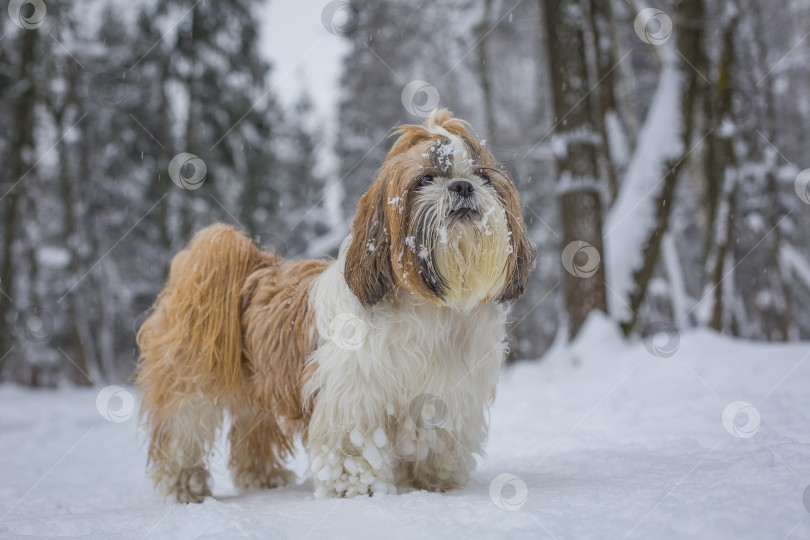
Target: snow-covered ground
(601, 440)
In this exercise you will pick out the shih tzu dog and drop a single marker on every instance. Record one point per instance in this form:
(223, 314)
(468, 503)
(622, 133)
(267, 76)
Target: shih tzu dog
(383, 361)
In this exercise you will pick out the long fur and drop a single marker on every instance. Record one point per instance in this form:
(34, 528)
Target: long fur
(414, 353)
(423, 286)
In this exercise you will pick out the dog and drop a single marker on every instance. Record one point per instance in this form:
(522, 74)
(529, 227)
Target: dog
(383, 362)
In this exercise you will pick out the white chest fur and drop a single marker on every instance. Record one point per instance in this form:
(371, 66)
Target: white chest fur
(400, 390)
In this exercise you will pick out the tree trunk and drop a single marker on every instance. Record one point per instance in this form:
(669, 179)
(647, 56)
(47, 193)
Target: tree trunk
(22, 146)
(689, 23)
(604, 95)
(577, 155)
(721, 178)
(85, 371)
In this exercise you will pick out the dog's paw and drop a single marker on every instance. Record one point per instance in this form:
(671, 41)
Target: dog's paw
(363, 482)
(367, 472)
(193, 485)
(252, 480)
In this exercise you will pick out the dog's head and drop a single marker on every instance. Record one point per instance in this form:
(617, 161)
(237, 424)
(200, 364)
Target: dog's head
(441, 221)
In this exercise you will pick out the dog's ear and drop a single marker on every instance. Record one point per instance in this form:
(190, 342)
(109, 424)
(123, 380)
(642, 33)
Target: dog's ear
(523, 252)
(368, 269)
(524, 255)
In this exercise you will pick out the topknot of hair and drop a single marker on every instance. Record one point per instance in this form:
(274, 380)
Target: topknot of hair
(440, 122)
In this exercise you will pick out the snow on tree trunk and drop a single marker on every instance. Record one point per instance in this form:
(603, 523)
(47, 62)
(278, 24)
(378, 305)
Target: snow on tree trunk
(633, 218)
(674, 271)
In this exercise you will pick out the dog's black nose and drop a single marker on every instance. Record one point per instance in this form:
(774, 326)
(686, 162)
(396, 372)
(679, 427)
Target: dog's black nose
(462, 187)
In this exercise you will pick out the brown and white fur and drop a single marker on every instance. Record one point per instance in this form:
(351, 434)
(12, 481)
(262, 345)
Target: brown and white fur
(383, 361)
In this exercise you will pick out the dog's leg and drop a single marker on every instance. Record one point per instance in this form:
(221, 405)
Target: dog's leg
(357, 463)
(191, 356)
(346, 459)
(180, 444)
(259, 448)
(437, 461)
(438, 457)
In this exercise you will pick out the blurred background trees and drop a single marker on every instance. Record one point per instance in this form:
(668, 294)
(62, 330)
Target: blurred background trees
(656, 150)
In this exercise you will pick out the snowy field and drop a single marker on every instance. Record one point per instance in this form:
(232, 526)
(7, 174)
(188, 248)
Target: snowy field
(602, 440)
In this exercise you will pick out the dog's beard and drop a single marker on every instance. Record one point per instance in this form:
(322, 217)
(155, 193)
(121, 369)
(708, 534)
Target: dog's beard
(464, 245)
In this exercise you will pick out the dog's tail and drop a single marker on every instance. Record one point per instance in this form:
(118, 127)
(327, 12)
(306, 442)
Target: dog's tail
(194, 332)
(191, 344)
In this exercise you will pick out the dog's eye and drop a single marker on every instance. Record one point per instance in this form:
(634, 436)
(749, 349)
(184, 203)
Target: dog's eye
(425, 180)
(484, 176)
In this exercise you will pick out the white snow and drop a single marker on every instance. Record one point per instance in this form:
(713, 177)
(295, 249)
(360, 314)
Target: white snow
(443, 235)
(600, 440)
(619, 145)
(53, 256)
(672, 262)
(410, 241)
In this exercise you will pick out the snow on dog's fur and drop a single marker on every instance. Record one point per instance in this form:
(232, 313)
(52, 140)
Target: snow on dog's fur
(422, 287)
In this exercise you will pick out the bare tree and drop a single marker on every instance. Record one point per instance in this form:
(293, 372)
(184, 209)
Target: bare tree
(689, 30)
(576, 145)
